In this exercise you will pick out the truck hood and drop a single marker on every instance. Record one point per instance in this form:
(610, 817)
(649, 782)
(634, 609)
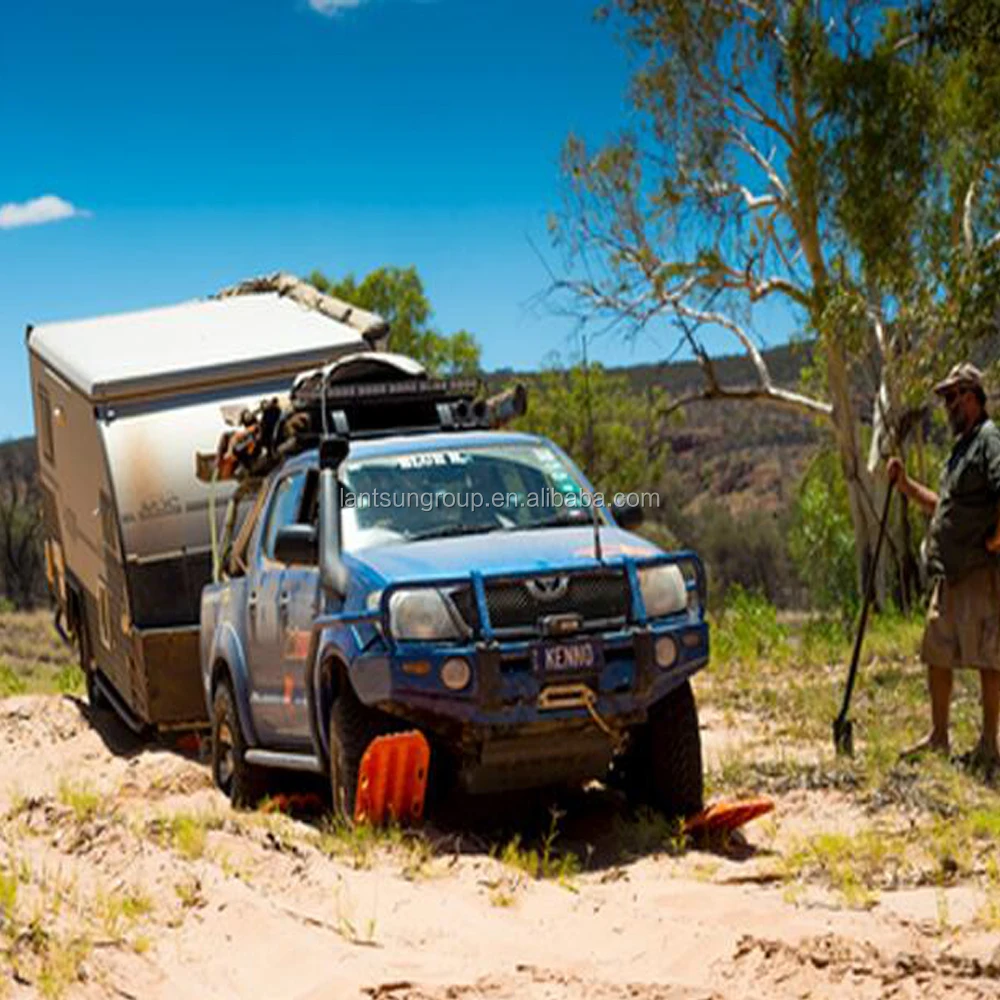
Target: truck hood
(498, 552)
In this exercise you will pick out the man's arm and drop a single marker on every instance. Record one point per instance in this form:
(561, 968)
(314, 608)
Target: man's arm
(993, 543)
(992, 455)
(923, 497)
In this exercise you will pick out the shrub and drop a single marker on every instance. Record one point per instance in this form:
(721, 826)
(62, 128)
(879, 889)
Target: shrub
(821, 540)
(748, 630)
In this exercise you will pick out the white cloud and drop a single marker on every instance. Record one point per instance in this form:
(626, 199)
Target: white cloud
(329, 8)
(37, 211)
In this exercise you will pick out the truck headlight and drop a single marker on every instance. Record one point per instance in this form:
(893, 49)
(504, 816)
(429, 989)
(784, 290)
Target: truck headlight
(663, 590)
(424, 614)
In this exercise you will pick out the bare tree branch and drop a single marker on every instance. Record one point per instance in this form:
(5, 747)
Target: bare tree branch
(762, 117)
(774, 395)
(753, 202)
(967, 234)
(727, 323)
(761, 288)
(743, 141)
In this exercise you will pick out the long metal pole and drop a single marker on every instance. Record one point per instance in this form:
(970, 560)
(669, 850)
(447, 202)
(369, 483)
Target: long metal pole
(842, 735)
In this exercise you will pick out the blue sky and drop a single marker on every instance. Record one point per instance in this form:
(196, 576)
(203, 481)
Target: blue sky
(187, 145)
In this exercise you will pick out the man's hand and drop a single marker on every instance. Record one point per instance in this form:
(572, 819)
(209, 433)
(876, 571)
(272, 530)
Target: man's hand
(926, 499)
(896, 472)
(993, 544)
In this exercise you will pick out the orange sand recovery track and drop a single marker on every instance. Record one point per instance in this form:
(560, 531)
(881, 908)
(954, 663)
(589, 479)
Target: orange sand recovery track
(725, 817)
(392, 779)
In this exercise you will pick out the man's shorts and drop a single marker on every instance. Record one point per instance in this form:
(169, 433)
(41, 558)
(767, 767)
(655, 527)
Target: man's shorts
(963, 622)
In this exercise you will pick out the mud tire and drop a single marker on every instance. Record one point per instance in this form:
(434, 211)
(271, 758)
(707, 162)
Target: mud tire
(353, 725)
(662, 767)
(242, 782)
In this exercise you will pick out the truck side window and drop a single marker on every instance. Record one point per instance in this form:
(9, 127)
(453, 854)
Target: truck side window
(284, 510)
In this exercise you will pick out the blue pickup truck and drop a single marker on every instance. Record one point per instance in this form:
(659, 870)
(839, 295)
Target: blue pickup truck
(459, 581)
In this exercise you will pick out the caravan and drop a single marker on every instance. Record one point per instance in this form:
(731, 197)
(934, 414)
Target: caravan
(121, 404)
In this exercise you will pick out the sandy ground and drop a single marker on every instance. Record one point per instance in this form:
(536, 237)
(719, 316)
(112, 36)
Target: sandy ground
(259, 909)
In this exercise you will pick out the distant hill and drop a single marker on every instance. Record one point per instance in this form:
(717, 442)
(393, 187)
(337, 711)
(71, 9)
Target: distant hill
(21, 448)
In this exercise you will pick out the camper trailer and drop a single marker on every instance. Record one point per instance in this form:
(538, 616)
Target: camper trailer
(121, 405)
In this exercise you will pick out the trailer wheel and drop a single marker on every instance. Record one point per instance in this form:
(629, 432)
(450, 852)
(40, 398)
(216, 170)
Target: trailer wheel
(353, 725)
(95, 696)
(242, 782)
(662, 766)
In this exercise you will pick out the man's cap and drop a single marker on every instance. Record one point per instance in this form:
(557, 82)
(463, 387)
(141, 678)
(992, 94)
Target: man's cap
(963, 376)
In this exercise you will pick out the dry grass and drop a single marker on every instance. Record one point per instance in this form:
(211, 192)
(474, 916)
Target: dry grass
(33, 659)
(932, 822)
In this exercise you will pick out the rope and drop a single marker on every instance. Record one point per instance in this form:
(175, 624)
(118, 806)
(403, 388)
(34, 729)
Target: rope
(213, 527)
(590, 701)
(573, 696)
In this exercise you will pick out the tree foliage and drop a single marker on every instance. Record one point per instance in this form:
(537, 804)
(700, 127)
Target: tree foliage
(595, 416)
(21, 560)
(837, 157)
(821, 539)
(397, 294)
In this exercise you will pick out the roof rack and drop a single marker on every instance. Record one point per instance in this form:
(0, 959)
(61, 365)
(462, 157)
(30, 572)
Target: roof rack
(359, 396)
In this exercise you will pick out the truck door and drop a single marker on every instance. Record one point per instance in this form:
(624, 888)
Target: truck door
(266, 612)
(297, 608)
(299, 604)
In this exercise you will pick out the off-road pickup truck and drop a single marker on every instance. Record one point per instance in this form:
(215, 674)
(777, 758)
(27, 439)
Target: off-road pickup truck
(454, 580)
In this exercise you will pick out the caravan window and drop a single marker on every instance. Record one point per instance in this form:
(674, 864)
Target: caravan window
(45, 424)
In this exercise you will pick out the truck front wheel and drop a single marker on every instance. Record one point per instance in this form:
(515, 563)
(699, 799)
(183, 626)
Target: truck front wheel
(242, 782)
(353, 725)
(662, 766)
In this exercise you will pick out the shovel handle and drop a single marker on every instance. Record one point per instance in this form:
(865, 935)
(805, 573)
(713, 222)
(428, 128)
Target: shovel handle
(869, 592)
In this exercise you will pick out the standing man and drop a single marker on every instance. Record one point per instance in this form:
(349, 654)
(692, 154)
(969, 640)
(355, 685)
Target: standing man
(963, 561)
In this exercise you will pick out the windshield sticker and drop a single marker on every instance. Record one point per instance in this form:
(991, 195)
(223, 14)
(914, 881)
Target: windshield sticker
(554, 467)
(428, 459)
(548, 459)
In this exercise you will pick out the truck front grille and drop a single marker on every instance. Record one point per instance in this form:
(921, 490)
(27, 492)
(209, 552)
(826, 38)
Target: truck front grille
(516, 606)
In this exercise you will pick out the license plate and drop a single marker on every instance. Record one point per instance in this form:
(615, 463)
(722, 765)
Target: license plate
(569, 657)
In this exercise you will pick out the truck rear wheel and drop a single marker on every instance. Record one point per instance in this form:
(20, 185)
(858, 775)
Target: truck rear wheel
(662, 766)
(353, 725)
(242, 782)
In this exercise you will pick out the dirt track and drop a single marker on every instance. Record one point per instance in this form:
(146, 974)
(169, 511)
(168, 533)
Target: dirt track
(237, 905)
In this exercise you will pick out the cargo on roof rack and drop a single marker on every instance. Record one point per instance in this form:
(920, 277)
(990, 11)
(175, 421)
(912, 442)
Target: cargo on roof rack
(357, 396)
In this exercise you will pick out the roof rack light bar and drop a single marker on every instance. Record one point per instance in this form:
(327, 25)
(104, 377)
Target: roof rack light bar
(450, 388)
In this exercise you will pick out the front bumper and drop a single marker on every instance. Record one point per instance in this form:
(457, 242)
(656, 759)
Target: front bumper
(507, 690)
(518, 723)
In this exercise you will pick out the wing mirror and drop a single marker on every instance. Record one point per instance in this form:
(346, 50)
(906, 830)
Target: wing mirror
(297, 545)
(627, 515)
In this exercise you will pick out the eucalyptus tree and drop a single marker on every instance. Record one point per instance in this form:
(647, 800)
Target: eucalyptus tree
(397, 294)
(831, 164)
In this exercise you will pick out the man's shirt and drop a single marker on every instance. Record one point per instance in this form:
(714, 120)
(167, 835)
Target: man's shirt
(966, 514)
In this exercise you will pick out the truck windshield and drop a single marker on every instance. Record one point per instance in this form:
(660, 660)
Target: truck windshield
(459, 491)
